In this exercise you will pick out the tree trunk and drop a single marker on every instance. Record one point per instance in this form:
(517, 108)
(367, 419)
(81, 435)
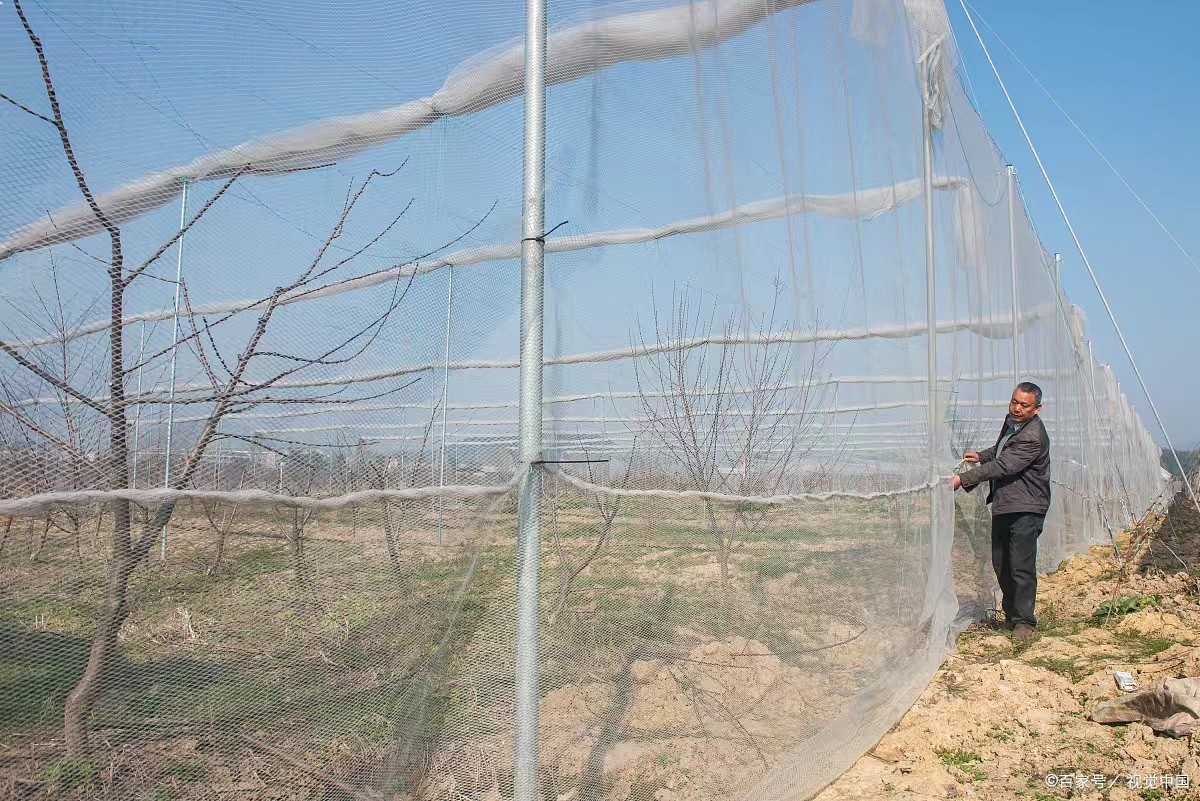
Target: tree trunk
(216, 562)
(82, 700)
(719, 538)
(40, 543)
(300, 519)
(389, 534)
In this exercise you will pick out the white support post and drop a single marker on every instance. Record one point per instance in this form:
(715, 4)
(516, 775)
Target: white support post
(533, 254)
(934, 416)
(137, 415)
(174, 352)
(930, 295)
(445, 401)
(1093, 412)
(1012, 268)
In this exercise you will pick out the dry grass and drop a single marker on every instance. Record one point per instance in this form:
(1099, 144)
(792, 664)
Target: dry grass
(388, 671)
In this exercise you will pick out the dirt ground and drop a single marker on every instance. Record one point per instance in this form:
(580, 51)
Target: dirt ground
(1001, 721)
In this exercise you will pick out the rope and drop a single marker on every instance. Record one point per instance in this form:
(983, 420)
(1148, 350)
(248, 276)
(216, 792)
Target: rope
(866, 203)
(991, 328)
(36, 505)
(757, 500)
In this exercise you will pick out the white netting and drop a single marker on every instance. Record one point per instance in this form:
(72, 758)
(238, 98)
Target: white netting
(270, 546)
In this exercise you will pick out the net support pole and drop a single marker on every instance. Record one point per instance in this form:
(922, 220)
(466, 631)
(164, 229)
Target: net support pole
(1093, 413)
(935, 426)
(137, 415)
(1012, 269)
(533, 254)
(174, 352)
(930, 291)
(445, 401)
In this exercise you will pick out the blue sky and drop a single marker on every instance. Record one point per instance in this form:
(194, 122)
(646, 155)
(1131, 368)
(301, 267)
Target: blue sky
(1126, 74)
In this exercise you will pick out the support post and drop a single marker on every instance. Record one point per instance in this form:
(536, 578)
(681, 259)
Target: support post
(1057, 278)
(935, 416)
(930, 294)
(1097, 427)
(1012, 268)
(137, 415)
(533, 253)
(174, 351)
(445, 401)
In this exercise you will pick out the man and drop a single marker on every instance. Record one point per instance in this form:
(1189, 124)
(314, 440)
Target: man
(1018, 468)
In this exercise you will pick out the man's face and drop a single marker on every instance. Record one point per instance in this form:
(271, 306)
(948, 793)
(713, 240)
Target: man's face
(1023, 406)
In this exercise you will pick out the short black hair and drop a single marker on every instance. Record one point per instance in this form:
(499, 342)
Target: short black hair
(1032, 389)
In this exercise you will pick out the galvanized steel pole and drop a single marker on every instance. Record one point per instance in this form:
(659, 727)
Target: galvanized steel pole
(137, 415)
(1012, 268)
(174, 352)
(533, 254)
(930, 293)
(445, 402)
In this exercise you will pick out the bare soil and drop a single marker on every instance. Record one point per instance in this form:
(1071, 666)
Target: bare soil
(999, 718)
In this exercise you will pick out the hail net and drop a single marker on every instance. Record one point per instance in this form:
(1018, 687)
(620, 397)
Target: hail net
(272, 546)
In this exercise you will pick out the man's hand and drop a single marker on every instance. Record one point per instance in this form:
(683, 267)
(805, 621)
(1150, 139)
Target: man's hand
(958, 480)
(971, 456)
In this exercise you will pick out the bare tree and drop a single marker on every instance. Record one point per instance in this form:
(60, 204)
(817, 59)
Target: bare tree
(254, 377)
(607, 507)
(387, 472)
(221, 518)
(298, 477)
(731, 406)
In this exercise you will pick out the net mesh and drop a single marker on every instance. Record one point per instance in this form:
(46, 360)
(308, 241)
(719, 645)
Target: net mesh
(259, 392)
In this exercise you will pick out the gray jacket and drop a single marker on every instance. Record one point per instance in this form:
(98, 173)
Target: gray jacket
(1020, 475)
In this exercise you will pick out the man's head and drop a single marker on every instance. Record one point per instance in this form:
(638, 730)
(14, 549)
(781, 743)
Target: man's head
(1025, 403)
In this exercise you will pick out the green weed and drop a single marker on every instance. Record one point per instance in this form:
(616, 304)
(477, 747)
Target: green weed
(1125, 605)
(965, 761)
(68, 774)
(998, 732)
(1063, 667)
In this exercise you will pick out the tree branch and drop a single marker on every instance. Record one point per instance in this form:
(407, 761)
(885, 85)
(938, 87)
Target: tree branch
(179, 234)
(66, 447)
(57, 121)
(26, 109)
(51, 379)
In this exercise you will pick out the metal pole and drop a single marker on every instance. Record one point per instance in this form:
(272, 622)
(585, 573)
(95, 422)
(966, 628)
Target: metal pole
(1097, 424)
(1057, 278)
(533, 254)
(174, 351)
(1012, 267)
(445, 401)
(137, 415)
(930, 294)
(935, 425)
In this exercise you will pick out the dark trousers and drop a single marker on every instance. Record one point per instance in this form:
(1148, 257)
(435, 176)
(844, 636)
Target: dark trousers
(1014, 557)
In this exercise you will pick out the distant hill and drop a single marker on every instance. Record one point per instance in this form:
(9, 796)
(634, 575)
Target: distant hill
(1190, 459)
